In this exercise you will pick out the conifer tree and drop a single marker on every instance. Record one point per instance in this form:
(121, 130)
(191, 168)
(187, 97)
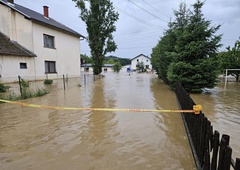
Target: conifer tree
(163, 54)
(195, 47)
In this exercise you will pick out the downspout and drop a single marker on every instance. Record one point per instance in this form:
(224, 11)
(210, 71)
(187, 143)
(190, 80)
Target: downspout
(35, 70)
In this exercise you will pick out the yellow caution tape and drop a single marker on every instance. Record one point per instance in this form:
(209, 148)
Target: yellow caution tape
(196, 108)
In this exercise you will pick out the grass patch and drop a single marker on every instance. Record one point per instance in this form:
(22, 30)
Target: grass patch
(26, 94)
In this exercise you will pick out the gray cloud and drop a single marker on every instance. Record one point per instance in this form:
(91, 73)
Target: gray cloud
(140, 35)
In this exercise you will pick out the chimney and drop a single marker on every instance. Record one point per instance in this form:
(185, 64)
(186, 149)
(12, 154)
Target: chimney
(10, 1)
(45, 11)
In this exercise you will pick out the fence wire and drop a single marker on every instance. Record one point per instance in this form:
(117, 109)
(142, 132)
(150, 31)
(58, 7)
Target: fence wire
(63, 83)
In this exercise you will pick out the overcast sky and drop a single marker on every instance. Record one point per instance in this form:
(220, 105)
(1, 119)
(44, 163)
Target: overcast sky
(142, 22)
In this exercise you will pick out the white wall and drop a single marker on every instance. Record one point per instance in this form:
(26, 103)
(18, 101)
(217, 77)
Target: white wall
(140, 59)
(10, 68)
(5, 20)
(16, 27)
(30, 35)
(66, 53)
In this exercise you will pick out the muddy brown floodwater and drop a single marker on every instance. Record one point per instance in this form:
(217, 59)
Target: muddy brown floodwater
(222, 108)
(33, 138)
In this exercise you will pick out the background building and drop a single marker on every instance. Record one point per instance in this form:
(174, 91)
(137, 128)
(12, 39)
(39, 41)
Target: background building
(141, 58)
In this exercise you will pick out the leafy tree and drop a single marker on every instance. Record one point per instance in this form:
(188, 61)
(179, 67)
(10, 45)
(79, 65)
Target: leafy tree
(86, 58)
(110, 61)
(195, 47)
(124, 61)
(231, 60)
(155, 59)
(161, 56)
(117, 67)
(140, 66)
(99, 17)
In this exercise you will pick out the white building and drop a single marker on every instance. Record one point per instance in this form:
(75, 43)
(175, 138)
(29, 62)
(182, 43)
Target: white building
(141, 58)
(35, 46)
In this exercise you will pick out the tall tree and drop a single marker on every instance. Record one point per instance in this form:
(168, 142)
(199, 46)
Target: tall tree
(231, 60)
(100, 17)
(195, 47)
(163, 54)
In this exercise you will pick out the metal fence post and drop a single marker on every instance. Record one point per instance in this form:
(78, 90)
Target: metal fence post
(63, 82)
(19, 82)
(84, 79)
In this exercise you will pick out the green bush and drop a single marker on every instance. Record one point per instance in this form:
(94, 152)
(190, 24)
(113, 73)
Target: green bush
(48, 81)
(41, 92)
(117, 67)
(3, 88)
(24, 83)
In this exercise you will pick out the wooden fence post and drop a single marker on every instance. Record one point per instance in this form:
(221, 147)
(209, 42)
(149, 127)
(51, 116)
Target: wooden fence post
(223, 144)
(237, 166)
(215, 150)
(204, 143)
(227, 158)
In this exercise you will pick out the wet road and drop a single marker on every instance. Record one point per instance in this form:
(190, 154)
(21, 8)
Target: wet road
(32, 138)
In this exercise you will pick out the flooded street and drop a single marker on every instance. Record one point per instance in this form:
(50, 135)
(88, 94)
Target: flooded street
(34, 138)
(222, 108)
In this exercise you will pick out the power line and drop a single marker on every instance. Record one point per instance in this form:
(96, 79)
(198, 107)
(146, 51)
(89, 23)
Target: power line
(133, 48)
(136, 18)
(126, 48)
(133, 34)
(136, 34)
(155, 9)
(137, 38)
(147, 11)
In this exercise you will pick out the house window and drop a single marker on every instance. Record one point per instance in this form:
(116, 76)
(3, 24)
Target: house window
(50, 67)
(48, 41)
(23, 65)
(147, 60)
(137, 60)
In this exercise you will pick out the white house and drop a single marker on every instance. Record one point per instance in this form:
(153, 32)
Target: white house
(35, 46)
(141, 58)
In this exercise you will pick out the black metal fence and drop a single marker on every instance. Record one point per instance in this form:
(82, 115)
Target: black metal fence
(208, 150)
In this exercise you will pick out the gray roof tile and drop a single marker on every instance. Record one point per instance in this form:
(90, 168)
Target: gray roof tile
(8, 47)
(39, 18)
